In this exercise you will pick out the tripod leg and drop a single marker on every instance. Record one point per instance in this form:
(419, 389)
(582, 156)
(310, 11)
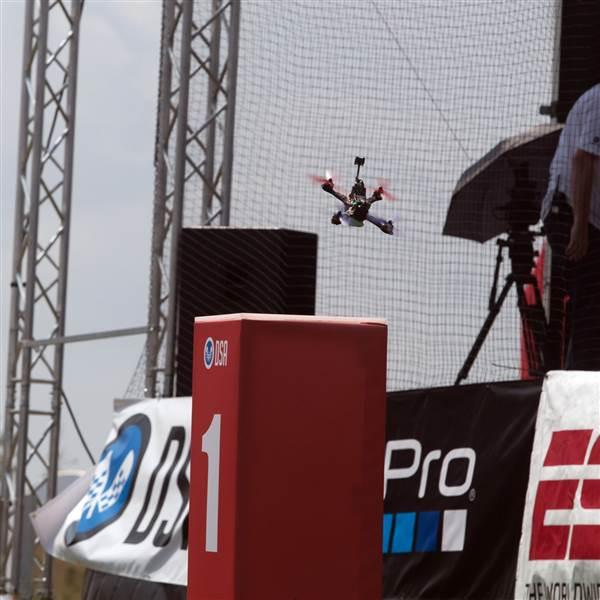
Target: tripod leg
(496, 273)
(485, 329)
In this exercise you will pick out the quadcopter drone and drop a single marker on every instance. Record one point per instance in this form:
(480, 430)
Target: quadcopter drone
(357, 206)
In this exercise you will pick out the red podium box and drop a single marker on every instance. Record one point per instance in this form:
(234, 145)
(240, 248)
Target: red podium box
(288, 436)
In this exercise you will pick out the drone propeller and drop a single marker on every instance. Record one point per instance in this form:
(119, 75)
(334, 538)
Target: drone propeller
(382, 188)
(320, 180)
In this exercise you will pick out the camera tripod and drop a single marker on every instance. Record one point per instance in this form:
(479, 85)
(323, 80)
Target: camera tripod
(519, 243)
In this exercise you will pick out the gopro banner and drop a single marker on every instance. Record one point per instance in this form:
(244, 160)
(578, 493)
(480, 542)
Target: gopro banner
(455, 479)
(559, 553)
(129, 515)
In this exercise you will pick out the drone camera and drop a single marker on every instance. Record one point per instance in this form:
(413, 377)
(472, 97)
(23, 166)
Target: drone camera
(359, 162)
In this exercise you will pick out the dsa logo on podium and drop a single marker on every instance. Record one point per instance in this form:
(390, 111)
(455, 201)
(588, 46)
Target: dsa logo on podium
(215, 353)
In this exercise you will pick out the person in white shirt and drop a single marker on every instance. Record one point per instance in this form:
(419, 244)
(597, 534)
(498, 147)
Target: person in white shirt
(571, 214)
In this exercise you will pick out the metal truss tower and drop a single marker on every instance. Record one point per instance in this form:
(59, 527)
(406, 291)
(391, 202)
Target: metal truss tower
(194, 150)
(199, 50)
(34, 392)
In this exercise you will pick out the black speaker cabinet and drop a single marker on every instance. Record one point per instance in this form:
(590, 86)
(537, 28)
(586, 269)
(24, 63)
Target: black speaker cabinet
(224, 270)
(579, 52)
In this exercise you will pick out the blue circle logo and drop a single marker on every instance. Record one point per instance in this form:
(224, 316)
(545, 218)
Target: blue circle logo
(113, 482)
(209, 352)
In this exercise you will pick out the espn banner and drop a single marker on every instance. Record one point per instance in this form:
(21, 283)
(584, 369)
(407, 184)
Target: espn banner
(129, 516)
(559, 553)
(455, 478)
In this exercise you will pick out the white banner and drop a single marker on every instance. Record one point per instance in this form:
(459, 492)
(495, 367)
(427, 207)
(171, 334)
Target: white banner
(129, 517)
(559, 553)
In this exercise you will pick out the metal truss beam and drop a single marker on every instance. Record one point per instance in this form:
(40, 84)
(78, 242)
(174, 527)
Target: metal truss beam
(34, 390)
(199, 51)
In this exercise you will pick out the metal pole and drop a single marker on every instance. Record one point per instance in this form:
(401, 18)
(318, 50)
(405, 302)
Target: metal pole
(12, 351)
(27, 549)
(160, 193)
(36, 167)
(211, 107)
(232, 65)
(63, 269)
(547, 268)
(177, 212)
(558, 5)
(84, 337)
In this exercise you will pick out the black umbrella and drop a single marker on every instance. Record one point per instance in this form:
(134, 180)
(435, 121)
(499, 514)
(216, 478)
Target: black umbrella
(507, 184)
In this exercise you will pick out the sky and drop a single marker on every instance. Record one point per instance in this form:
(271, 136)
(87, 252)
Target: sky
(111, 204)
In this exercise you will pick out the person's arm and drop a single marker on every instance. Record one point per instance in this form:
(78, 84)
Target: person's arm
(582, 177)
